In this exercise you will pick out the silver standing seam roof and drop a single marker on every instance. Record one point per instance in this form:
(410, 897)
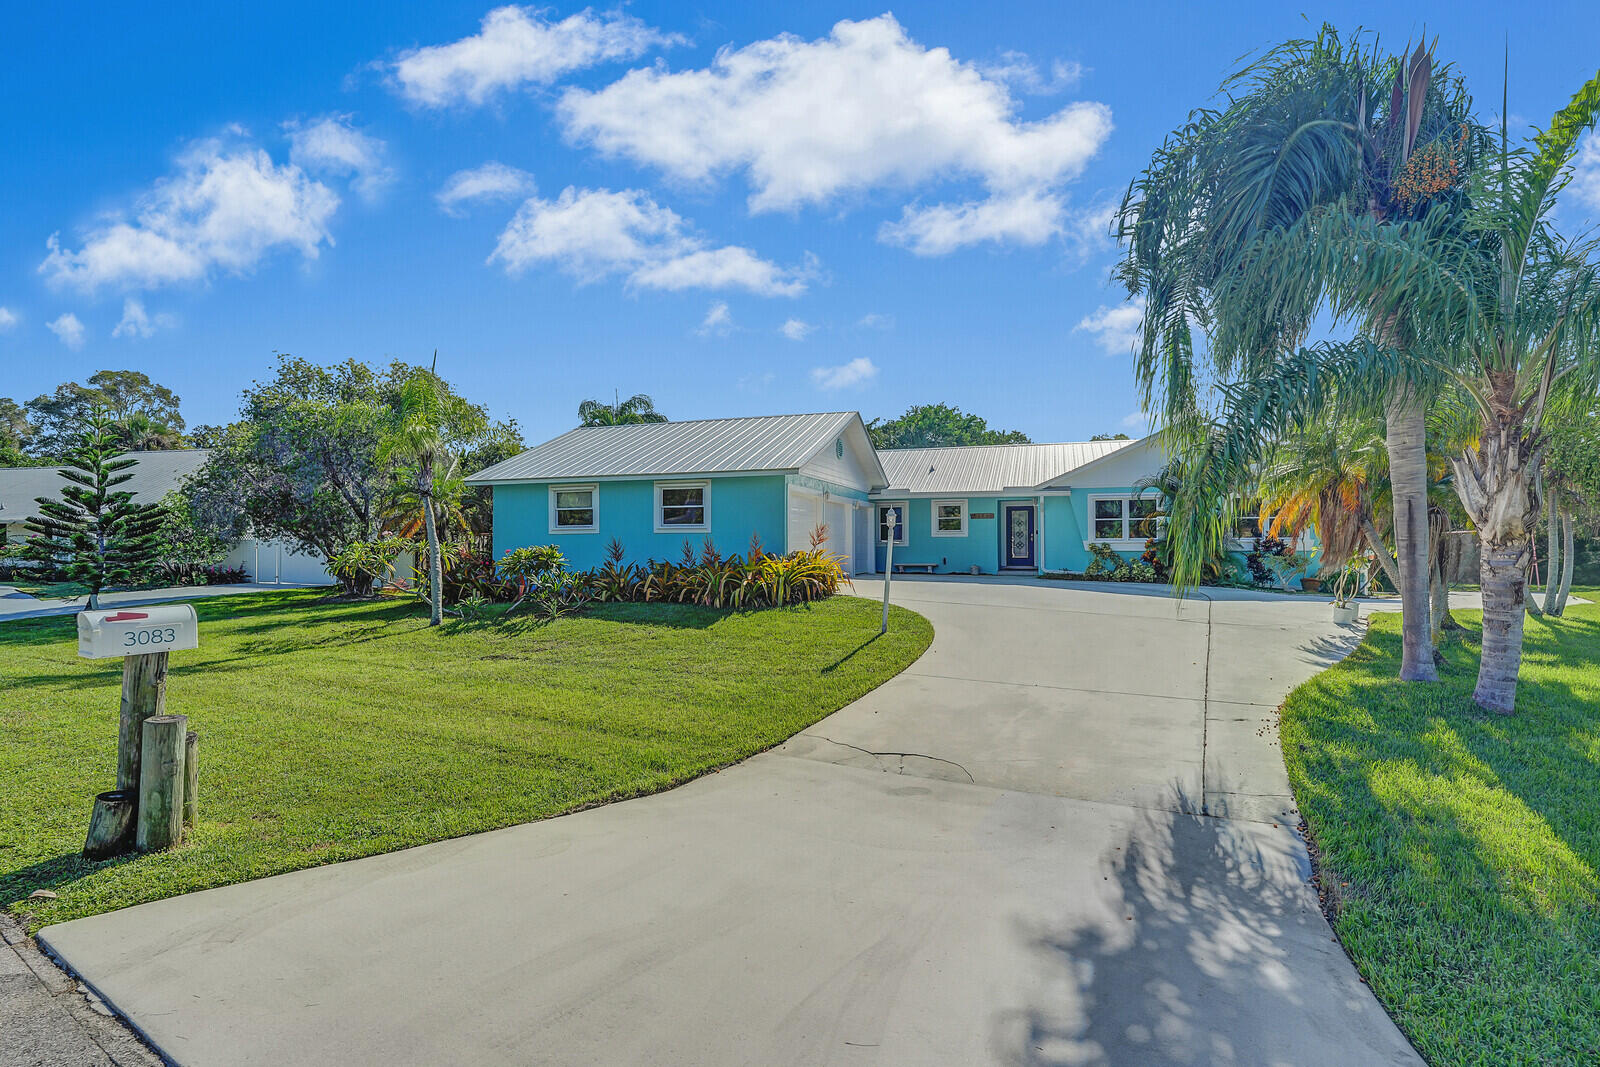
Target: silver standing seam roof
(700, 446)
(154, 476)
(986, 470)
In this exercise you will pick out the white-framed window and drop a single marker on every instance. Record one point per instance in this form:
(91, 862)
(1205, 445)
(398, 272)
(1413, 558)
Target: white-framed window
(949, 518)
(900, 507)
(683, 506)
(574, 509)
(1123, 518)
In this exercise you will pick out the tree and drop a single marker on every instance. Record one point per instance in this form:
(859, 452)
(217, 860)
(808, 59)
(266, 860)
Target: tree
(637, 408)
(302, 463)
(427, 427)
(1572, 475)
(1325, 476)
(140, 410)
(1110, 437)
(500, 442)
(96, 530)
(16, 433)
(938, 426)
(1512, 314)
(1227, 230)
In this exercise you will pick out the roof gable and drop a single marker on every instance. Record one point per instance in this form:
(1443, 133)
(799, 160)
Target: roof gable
(701, 446)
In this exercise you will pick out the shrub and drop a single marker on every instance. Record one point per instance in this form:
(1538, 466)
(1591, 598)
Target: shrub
(222, 576)
(363, 565)
(1105, 563)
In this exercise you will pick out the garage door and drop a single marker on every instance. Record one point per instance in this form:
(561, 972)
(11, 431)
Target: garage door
(805, 511)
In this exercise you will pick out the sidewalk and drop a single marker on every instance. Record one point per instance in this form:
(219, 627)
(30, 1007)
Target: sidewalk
(49, 1020)
(15, 605)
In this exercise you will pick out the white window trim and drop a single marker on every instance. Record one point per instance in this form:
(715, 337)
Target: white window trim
(703, 527)
(934, 517)
(905, 520)
(594, 506)
(1123, 543)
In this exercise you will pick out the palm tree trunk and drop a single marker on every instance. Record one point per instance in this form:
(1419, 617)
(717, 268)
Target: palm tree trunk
(1568, 549)
(1499, 485)
(1438, 586)
(1552, 555)
(1504, 579)
(1381, 550)
(1408, 474)
(435, 578)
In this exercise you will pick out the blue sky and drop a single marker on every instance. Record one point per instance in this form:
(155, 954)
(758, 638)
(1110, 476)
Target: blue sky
(738, 209)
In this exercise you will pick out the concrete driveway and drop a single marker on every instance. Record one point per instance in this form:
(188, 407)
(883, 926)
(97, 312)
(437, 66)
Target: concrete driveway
(1063, 836)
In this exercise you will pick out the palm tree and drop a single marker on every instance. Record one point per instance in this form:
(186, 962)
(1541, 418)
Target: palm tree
(141, 433)
(427, 421)
(1224, 233)
(1517, 314)
(637, 408)
(1325, 476)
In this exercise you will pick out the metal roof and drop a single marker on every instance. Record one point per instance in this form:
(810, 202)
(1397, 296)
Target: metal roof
(154, 476)
(982, 470)
(701, 446)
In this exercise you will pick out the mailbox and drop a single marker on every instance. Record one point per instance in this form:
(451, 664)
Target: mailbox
(137, 631)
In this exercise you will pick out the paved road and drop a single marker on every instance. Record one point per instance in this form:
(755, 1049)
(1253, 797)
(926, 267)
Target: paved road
(999, 856)
(15, 605)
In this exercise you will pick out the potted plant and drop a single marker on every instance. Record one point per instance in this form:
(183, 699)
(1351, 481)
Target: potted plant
(1345, 610)
(1311, 583)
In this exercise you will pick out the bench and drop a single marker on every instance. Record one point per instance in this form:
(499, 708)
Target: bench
(925, 568)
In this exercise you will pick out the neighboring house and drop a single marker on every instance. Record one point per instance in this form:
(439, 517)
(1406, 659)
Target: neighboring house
(155, 476)
(654, 486)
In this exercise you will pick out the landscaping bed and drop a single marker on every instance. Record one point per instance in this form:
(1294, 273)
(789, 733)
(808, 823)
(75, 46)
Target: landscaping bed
(1457, 849)
(336, 730)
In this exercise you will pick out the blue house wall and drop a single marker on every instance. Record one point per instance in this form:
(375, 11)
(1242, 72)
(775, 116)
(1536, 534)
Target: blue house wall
(738, 507)
(1059, 525)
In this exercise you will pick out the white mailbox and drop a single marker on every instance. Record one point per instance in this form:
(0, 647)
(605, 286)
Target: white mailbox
(137, 631)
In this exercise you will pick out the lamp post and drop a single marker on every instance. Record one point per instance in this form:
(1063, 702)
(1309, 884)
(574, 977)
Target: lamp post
(893, 518)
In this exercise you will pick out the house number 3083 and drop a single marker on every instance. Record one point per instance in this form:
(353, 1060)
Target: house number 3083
(164, 636)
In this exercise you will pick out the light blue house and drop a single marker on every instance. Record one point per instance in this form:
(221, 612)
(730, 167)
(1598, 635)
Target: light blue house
(654, 486)
(986, 509)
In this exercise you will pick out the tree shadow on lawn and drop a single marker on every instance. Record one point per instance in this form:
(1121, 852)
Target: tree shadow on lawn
(1209, 950)
(16, 886)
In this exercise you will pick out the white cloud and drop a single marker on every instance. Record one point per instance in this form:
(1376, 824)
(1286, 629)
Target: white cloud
(1585, 186)
(518, 46)
(69, 329)
(718, 320)
(874, 320)
(795, 330)
(1136, 421)
(136, 322)
(225, 207)
(595, 233)
(331, 145)
(1030, 217)
(492, 181)
(1115, 329)
(8, 319)
(808, 122)
(858, 370)
(1018, 70)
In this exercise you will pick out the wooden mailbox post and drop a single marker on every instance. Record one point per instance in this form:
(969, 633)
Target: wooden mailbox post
(150, 805)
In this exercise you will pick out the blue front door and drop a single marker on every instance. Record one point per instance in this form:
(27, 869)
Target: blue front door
(1019, 535)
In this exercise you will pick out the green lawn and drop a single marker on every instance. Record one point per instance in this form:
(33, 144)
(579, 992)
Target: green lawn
(330, 731)
(1464, 846)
